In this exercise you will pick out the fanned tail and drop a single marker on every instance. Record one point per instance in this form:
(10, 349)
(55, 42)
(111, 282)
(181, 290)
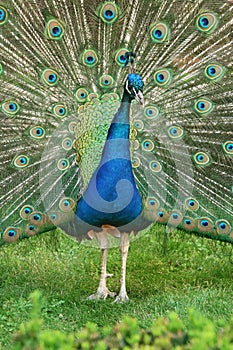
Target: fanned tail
(62, 68)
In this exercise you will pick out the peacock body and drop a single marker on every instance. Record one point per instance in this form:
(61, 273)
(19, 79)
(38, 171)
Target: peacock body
(80, 147)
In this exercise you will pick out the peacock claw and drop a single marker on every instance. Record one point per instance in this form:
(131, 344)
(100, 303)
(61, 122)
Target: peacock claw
(102, 294)
(121, 298)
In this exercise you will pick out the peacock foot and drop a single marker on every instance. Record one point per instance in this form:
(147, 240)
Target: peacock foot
(121, 298)
(102, 294)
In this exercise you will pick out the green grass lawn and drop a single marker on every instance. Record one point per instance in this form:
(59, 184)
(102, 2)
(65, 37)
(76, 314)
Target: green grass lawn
(191, 273)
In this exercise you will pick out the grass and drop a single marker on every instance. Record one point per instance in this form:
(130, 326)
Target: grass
(192, 273)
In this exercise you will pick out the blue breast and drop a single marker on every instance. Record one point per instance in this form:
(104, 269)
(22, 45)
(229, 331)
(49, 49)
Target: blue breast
(112, 196)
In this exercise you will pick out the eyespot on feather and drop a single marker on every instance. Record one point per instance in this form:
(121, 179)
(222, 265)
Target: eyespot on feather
(37, 218)
(207, 22)
(63, 164)
(89, 58)
(175, 132)
(205, 224)
(37, 132)
(159, 32)
(60, 110)
(163, 77)
(201, 158)
(10, 108)
(203, 106)
(214, 71)
(139, 125)
(223, 227)
(67, 144)
(106, 81)
(120, 57)
(54, 29)
(31, 230)
(81, 94)
(11, 234)
(109, 12)
(3, 15)
(66, 204)
(228, 147)
(155, 166)
(25, 211)
(21, 161)
(50, 77)
(151, 112)
(148, 145)
(72, 126)
(161, 216)
(192, 204)
(175, 218)
(136, 162)
(188, 223)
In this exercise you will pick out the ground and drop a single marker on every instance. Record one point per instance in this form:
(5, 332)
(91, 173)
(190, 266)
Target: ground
(192, 272)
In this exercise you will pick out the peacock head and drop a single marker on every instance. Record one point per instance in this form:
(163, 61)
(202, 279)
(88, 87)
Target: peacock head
(134, 87)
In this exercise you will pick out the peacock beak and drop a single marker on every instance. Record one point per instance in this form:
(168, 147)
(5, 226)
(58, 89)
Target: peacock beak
(139, 97)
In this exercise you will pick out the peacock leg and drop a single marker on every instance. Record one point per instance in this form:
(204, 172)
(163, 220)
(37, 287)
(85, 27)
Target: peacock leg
(122, 297)
(103, 292)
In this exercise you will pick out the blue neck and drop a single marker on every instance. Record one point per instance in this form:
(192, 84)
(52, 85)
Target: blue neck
(119, 131)
(112, 196)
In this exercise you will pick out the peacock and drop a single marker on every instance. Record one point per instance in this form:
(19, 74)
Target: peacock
(116, 115)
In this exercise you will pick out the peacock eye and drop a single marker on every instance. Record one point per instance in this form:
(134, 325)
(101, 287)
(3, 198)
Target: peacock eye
(109, 12)
(192, 204)
(89, 58)
(139, 125)
(25, 211)
(50, 77)
(228, 147)
(106, 81)
(205, 224)
(223, 227)
(148, 145)
(63, 164)
(81, 95)
(159, 32)
(152, 203)
(54, 29)
(155, 166)
(37, 217)
(11, 234)
(37, 132)
(3, 15)
(136, 162)
(10, 108)
(203, 106)
(175, 218)
(201, 158)
(72, 126)
(66, 204)
(67, 144)
(21, 161)
(151, 112)
(162, 77)
(120, 57)
(207, 22)
(175, 132)
(214, 72)
(60, 110)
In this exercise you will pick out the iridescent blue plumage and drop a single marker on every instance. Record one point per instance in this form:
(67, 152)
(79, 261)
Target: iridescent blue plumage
(112, 196)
